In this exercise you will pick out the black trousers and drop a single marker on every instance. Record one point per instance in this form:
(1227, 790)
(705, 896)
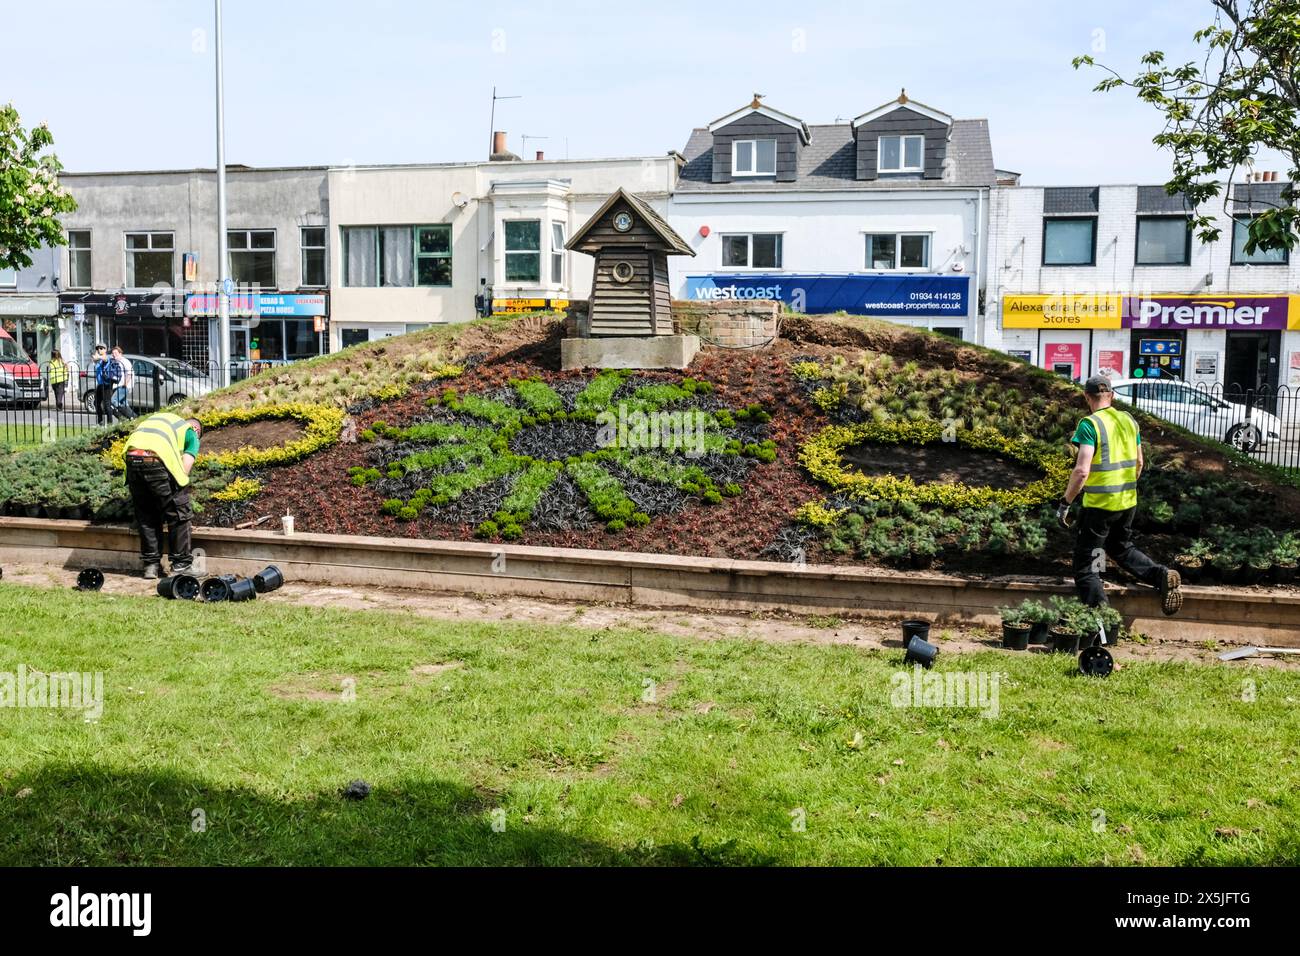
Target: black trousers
(1108, 534)
(159, 500)
(103, 404)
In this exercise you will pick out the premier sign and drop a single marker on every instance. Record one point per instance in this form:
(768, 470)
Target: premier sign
(1206, 312)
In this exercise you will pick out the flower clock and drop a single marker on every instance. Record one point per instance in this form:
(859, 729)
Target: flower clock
(616, 448)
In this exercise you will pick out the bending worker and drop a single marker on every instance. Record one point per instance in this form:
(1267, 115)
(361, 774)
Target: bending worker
(1106, 470)
(159, 456)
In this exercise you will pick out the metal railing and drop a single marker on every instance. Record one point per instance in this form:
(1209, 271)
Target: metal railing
(35, 411)
(1262, 422)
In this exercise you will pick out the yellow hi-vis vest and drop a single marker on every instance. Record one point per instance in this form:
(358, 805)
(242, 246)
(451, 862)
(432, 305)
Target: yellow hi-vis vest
(1112, 482)
(163, 434)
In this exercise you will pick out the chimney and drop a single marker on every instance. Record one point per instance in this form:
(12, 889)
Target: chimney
(540, 156)
(498, 142)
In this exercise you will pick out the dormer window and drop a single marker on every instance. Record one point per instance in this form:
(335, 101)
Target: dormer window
(753, 157)
(901, 154)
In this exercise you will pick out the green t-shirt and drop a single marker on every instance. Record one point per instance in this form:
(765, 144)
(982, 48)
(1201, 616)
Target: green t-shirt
(191, 442)
(1086, 434)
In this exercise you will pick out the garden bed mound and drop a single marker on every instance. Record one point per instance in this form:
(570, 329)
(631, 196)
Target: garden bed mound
(268, 433)
(945, 463)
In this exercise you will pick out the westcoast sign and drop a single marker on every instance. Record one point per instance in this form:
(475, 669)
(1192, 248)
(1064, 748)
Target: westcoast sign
(1173, 311)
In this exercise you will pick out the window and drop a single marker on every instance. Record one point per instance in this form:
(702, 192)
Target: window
(760, 250)
(314, 270)
(523, 250)
(1260, 257)
(1069, 241)
(900, 154)
(557, 253)
(753, 157)
(8, 278)
(433, 255)
(252, 257)
(79, 259)
(401, 256)
(1164, 241)
(149, 259)
(905, 250)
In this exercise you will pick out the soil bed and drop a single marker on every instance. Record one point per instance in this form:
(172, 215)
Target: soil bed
(270, 433)
(947, 463)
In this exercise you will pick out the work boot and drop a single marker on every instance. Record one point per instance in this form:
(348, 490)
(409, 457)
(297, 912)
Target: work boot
(152, 571)
(1171, 595)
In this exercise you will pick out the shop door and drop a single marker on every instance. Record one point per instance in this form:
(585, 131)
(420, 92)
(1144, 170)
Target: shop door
(1158, 354)
(1253, 360)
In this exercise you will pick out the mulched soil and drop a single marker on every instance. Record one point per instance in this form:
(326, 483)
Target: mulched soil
(264, 434)
(318, 493)
(939, 462)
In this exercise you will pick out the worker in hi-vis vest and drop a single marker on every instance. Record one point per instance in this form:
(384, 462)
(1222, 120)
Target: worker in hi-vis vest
(159, 455)
(1106, 471)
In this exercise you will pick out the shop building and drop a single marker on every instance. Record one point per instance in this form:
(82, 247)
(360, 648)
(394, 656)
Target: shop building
(1112, 279)
(428, 244)
(140, 267)
(884, 215)
(29, 305)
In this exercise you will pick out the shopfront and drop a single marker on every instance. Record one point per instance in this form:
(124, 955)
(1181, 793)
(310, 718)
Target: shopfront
(150, 324)
(1238, 341)
(938, 302)
(270, 327)
(32, 321)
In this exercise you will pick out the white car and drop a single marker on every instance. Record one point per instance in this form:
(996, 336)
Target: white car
(1201, 412)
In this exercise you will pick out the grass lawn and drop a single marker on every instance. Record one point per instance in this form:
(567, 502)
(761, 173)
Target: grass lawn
(26, 434)
(237, 711)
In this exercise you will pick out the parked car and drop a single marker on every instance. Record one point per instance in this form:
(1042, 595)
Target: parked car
(178, 381)
(21, 384)
(1198, 411)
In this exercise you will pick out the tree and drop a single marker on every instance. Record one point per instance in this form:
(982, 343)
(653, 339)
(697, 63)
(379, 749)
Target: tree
(31, 199)
(1242, 98)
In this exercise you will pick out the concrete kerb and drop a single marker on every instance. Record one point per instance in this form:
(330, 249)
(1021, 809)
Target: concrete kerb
(645, 580)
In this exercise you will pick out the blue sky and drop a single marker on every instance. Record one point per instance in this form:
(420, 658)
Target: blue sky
(127, 84)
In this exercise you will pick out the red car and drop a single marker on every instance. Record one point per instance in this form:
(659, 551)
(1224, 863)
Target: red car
(20, 378)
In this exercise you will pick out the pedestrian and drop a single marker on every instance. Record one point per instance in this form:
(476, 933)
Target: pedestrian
(107, 373)
(159, 455)
(1107, 466)
(121, 404)
(58, 373)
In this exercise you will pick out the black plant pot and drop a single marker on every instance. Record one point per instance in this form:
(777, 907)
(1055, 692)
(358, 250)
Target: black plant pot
(1096, 662)
(242, 589)
(915, 628)
(920, 651)
(184, 587)
(1038, 633)
(1015, 637)
(1064, 642)
(90, 579)
(217, 589)
(268, 579)
(32, 511)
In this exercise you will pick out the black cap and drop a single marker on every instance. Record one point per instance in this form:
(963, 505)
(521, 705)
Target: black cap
(1096, 385)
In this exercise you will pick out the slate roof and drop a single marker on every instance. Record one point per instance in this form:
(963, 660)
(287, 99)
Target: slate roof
(829, 162)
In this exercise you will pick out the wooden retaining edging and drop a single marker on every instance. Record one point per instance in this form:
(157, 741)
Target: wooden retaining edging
(648, 580)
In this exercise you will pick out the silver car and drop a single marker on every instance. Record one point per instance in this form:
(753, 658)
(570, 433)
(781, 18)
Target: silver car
(1201, 412)
(170, 379)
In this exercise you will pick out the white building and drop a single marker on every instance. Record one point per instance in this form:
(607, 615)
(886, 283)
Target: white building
(1111, 278)
(885, 215)
(417, 244)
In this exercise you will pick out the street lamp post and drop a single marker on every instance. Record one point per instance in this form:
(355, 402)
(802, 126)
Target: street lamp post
(223, 296)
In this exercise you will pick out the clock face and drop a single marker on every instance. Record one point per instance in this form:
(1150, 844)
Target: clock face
(623, 222)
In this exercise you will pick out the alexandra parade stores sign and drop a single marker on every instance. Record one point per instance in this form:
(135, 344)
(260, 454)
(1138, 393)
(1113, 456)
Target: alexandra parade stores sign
(1160, 312)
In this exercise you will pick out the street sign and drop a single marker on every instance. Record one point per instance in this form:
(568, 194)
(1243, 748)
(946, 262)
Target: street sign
(227, 286)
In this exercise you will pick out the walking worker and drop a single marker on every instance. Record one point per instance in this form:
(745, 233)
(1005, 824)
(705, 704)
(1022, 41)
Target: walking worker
(1106, 470)
(58, 373)
(159, 455)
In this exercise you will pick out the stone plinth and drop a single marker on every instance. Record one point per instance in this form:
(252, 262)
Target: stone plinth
(651, 351)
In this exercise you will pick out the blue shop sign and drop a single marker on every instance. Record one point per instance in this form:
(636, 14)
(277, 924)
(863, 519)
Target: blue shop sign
(266, 305)
(900, 296)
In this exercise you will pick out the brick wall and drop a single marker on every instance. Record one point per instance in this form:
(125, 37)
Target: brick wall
(728, 324)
